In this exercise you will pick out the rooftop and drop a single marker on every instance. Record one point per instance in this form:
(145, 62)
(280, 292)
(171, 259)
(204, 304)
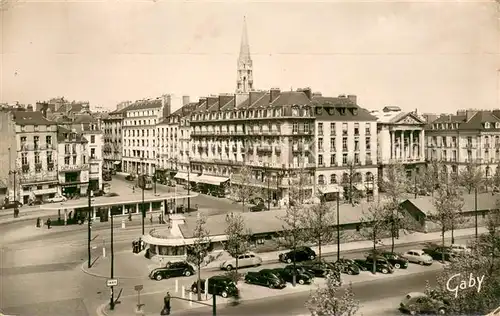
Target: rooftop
(30, 118)
(485, 201)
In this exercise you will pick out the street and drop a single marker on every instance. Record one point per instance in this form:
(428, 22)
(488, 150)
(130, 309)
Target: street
(379, 297)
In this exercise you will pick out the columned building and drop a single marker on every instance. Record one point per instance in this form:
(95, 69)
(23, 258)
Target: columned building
(73, 162)
(470, 136)
(401, 139)
(139, 134)
(346, 147)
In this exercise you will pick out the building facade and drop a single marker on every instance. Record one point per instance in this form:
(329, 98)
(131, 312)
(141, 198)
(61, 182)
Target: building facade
(140, 154)
(112, 149)
(470, 136)
(401, 139)
(31, 150)
(346, 145)
(73, 162)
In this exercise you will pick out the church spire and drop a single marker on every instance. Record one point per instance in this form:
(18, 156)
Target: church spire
(244, 82)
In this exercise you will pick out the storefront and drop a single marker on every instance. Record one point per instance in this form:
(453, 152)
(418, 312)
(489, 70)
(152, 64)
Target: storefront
(331, 192)
(212, 185)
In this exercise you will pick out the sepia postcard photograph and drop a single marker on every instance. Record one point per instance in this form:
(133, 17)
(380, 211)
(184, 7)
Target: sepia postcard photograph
(249, 157)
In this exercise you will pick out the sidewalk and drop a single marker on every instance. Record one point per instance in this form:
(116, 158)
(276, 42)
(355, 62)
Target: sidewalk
(132, 266)
(153, 301)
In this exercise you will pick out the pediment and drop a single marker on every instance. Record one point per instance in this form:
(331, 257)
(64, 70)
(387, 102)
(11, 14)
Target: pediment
(409, 119)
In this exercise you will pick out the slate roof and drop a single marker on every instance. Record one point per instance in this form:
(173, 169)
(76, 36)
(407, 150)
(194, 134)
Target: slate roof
(69, 107)
(31, 118)
(264, 222)
(84, 119)
(475, 122)
(325, 104)
(62, 131)
(144, 104)
(485, 201)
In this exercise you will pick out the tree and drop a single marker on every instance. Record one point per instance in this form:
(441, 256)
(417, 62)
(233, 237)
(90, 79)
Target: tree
(293, 234)
(318, 222)
(471, 176)
(447, 203)
(374, 222)
(241, 187)
(495, 180)
(395, 184)
(427, 180)
(472, 300)
(200, 247)
(326, 301)
(237, 237)
(349, 179)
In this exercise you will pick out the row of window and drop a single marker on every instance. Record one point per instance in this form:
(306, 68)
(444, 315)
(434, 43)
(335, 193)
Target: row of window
(140, 122)
(260, 113)
(345, 159)
(139, 153)
(141, 113)
(356, 178)
(36, 140)
(333, 144)
(48, 155)
(133, 133)
(447, 141)
(345, 129)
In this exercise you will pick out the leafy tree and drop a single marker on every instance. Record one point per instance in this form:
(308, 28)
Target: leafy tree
(495, 180)
(326, 301)
(237, 236)
(447, 203)
(200, 247)
(293, 233)
(349, 179)
(374, 222)
(471, 176)
(395, 184)
(489, 243)
(241, 187)
(318, 221)
(427, 180)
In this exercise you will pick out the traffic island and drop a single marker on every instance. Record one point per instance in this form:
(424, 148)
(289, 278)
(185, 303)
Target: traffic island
(126, 266)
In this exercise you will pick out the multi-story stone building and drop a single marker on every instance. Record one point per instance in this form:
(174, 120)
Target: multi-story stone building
(73, 162)
(112, 150)
(270, 132)
(470, 136)
(173, 140)
(346, 145)
(139, 134)
(400, 138)
(28, 146)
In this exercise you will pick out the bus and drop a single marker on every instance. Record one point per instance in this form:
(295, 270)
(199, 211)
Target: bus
(144, 182)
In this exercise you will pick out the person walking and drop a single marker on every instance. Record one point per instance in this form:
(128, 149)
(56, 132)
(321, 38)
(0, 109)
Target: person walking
(166, 305)
(49, 222)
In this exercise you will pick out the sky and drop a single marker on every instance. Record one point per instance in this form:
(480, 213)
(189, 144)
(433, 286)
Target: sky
(434, 56)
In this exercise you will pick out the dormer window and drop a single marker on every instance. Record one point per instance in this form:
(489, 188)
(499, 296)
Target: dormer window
(295, 112)
(342, 111)
(497, 125)
(354, 111)
(319, 111)
(487, 125)
(331, 111)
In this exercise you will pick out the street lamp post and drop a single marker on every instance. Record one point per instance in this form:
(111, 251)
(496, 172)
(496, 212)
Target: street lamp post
(338, 225)
(142, 185)
(13, 172)
(89, 224)
(268, 174)
(475, 211)
(112, 299)
(189, 184)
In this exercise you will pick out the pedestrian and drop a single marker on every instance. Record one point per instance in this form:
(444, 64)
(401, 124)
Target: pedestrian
(159, 218)
(151, 219)
(166, 305)
(38, 222)
(49, 222)
(133, 189)
(129, 217)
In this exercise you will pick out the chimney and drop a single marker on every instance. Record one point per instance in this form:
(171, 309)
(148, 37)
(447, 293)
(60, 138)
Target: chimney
(166, 103)
(274, 94)
(29, 108)
(307, 91)
(353, 98)
(185, 100)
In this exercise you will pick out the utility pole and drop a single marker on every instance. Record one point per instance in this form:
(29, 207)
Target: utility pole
(338, 225)
(475, 211)
(112, 300)
(89, 225)
(143, 211)
(13, 172)
(189, 184)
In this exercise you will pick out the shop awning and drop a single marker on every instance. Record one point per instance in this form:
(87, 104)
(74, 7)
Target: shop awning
(117, 162)
(214, 180)
(184, 176)
(331, 188)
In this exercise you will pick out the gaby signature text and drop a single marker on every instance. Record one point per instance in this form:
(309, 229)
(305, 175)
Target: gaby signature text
(455, 283)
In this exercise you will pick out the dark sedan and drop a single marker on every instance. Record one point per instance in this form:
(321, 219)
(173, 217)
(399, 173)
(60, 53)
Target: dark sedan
(319, 269)
(437, 253)
(380, 265)
(172, 269)
(347, 266)
(265, 278)
(12, 204)
(394, 259)
(299, 270)
(287, 275)
(259, 207)
(298, 255)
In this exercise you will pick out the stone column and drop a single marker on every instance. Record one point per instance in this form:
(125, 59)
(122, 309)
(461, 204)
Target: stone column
(401, 145)
(109, 212)
(411, 144)
(393, 145)
(422, 146)
(123, 209)
(137, 208)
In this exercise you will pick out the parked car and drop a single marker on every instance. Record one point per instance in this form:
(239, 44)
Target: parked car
(460, 249)
(318, 269)
(172, 269)
(396, 260)
(217, 285)
(259, 207)
(35, 202)
(246, 260)
(12, 204)
(347, 266)
(265, 278)
(130, 177)
(300, 254)
(57, 199)
(287, 275)
(381, 265)
(420, 303)
(418, 256)
(437, 252)
(299, 270)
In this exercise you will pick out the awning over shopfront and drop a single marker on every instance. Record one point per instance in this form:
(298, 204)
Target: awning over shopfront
(360, 187)
(331, 188)
(117, 162)
(214, 180)
(184, 176)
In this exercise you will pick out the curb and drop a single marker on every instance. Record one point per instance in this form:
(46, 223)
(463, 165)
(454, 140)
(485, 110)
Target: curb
(272, 261)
